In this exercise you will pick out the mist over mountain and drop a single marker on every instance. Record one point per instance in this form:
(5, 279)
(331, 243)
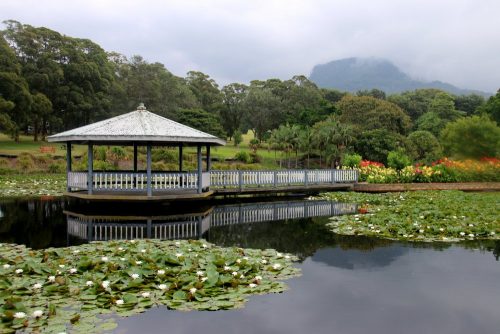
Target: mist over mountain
(353, 74)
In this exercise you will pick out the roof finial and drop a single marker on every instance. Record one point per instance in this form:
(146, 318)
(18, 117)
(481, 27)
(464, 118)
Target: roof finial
(141, 106)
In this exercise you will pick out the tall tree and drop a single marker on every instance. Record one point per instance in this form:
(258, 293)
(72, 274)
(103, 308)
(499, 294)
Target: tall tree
(232, 111)
(206, 90)
(492, 107)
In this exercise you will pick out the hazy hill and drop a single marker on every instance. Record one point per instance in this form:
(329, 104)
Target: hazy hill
(353, 74)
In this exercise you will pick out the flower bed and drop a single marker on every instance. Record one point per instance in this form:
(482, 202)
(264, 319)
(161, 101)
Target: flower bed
(65, 289)
(445, 170)
(421, 215)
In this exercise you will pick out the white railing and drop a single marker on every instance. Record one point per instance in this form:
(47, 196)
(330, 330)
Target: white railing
(280, 178)
(172, 181)
(77, 180)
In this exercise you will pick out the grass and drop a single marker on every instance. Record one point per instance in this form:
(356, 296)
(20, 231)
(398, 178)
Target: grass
(27, 145)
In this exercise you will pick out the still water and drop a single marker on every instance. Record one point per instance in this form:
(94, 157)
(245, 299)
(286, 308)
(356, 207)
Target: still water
(348, 284)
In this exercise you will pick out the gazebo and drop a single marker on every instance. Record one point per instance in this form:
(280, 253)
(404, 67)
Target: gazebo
(137, 128)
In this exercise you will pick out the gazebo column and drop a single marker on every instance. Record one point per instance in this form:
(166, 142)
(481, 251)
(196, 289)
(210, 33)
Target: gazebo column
(209, 162)
(148, 170)
(180, 158)
(135, 157)
(200, 174)
(68, 165)
(90, 183)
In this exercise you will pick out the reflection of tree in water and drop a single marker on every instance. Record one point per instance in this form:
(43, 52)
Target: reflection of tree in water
(35, 223)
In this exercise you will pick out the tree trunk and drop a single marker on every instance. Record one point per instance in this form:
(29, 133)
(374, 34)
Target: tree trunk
(35, 131)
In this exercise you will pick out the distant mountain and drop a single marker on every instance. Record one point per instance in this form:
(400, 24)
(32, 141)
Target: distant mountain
(353, 74)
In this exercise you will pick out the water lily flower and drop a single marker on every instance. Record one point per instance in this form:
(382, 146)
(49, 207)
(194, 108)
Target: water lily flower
(132, 241)
(492, 233)
(105, 284)
(76, 251)
(143, 251)
(238, 260)
(252, 285)
(441, 229)
(73, 271)
(52, 278)
(227, 268)
(264, 261)
(6, 266)
(471, 235)
(138, 262)
(462, 233)
(471, 225)
(421, 231)
(199, 273)
(377, 231)
(445, 238)
(234, 273)
(122, 259)
(178, 254)
(276, 266)
(58, 272)
(177, 243)
(104, 259)
(192, 290)
(19, 271)
(421, 217)
(203, 279)
(405, 235)
(161, 272)
(134, 276)
(245, 258)
(162, 286)
(19, 315)
(119, 302)
(120, 249)
(62, 266)
(37, 286)
(258, 278)
(204, 245)
(89, 283)
(145, 294)
(37, 313)
(287, 256)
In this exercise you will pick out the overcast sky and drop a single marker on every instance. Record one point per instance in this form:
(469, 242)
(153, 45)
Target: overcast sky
(457, 41)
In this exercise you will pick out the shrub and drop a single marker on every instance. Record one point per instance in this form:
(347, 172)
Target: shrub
(164, 155)
(25, 163)
(100, 165)
(255, 158)
(351, 160)
(398, 160)
(237, 137)
(243, 156)
(100, 153)
(159, 166)
(56, 167)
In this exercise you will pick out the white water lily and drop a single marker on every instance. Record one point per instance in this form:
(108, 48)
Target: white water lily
(89, 283)
(276, 266)
(227, 268)
(287, 257)
(19, 271)
(245, 258)
(192, 290)
(120, 249)
(119, 302)
(238, 260)
(122, 259)
(134, 276)
(421, 217)
(138, 262)
(104, 259)
(178, 254)
(441, 229)
(377, 231)
(204, 245)
(145, 294)
(37, 286)
(252, 285)
(199, 273)
(421, 231)
(471, 235)
(143, 251)
(242, 276)
(162, 286)
(132, 241)
(263, 261)
(258, 278)
(161, 272)
(37, 313)
(52, 278)
(19, 315)
(105, 284)
(73, 271)
(405, 235)
(492, 233)
(6, 266)
(203, 279)
(234, 273)
(76, 251)
(62, 266)
(177, 243)
(462, 233)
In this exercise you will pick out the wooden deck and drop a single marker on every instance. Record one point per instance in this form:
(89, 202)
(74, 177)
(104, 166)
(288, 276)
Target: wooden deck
(138, 196)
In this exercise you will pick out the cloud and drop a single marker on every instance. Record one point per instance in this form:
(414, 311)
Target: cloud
(238, 41)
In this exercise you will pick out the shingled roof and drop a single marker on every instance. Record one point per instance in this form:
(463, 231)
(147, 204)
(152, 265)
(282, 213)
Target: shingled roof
(137, 126)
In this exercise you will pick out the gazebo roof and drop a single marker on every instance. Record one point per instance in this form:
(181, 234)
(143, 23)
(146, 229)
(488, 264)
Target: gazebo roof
(137, 126)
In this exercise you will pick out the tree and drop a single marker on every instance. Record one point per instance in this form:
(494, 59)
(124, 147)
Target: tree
(40, 115)
(375, 145)
(492, 107)
(376, 93)
(232, 110)
(468, 103)
(444, 107)
(472, 137)
(368, 113)
(202, 120)
(424, 146)
(206, 91)
(415, 103)
(333, 139)
(430, 122)
(262, 110)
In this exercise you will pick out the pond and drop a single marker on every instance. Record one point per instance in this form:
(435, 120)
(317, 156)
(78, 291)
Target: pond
(348, 285)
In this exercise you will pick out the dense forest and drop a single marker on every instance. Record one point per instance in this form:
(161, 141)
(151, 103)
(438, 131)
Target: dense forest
(50, 82)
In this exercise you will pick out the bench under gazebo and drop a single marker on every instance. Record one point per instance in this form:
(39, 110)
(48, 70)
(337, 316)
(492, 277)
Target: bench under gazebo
(139, 128)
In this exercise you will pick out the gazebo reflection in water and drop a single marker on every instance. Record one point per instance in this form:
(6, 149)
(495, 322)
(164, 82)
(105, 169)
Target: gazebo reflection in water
(90, 227)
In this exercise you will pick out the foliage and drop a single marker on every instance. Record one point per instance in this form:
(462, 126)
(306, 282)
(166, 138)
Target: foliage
(424, 146)
(243, 156)
(351, 160)
(70, 287)
(202, 120)
(375, 145)
(163, 154)
(237, 138)
(398, 160)
(491, 107)
(421, 216)
(472, 137)
(32, 185)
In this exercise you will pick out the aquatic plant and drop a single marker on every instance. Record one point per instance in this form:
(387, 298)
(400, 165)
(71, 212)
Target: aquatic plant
(421, 216)
(60, 289)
